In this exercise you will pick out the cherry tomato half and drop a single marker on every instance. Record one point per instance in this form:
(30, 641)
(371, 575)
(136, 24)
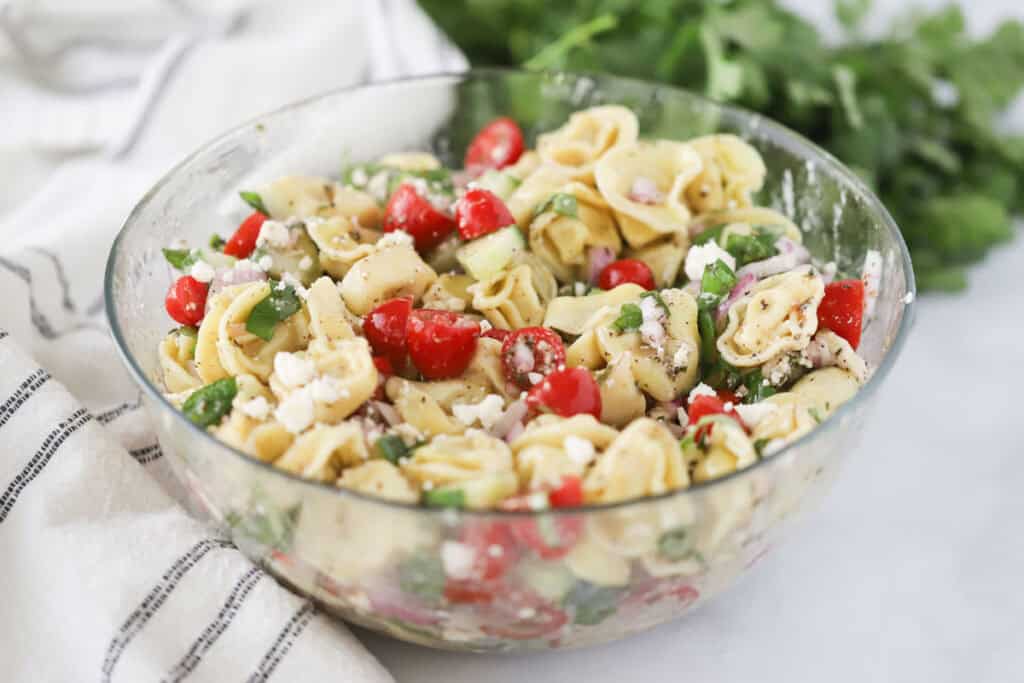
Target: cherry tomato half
(568, 494)
(383, 366)
(535, 351)
(494, 549)
(469, 592)
(441, 343)
(243, 242)
(497, 145)
(385, 329)
(186, 300)
(408, 211)
(842, 309)
(497, 333)
(481, 212)
(626, 270)
(702, 406)
(567, 392)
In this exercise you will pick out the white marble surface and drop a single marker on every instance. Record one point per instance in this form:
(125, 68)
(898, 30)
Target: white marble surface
(911, 569)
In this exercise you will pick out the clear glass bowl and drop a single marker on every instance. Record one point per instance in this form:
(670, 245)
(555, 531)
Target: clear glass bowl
(380, 564)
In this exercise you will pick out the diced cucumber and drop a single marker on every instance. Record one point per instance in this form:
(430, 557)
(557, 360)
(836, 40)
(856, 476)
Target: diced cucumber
(501, 184)
(442, 257)
(485, 257)
(549, 580)
(290, 259)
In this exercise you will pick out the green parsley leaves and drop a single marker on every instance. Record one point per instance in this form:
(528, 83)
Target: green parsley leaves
(630, 318)
(182, 259)
(209, 405)
(280, 304)
(391, 448)
(561, 203)
(254, 200)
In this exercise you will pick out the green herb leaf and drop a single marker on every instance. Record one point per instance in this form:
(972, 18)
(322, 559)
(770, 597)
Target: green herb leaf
(208, 406)
(757, 388)
(564, 204)
(279, 305)
(591, 603)
(630, 318)
(710, 234)
(656, 295)
(217, 242)
(182, 259)
(422, 575)
(254, 200)
(391, 448)
(448, 497)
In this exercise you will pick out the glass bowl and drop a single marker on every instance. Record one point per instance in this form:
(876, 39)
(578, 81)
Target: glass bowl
(559, 578)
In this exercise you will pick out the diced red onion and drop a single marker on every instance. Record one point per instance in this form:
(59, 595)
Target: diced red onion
(512, 416)
(522, 358)
(743, 285)
(228, 277)
(789, 257)
(388, 412)
(645, 191)
(598, 259)
(513, 433)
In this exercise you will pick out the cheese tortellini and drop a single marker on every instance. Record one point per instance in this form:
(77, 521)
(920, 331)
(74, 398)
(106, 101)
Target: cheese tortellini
(590, 134)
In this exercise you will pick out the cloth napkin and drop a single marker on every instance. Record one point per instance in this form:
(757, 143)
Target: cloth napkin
(105, 577)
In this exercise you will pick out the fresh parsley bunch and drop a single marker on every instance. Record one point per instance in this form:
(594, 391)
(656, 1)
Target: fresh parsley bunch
(913, 113)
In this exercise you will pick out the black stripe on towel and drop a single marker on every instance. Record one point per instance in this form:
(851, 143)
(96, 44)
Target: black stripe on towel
(154, 599)
(147, 454)
(283, 643)
(22, 394)
(111, 414)
(216, 627)
(51, 445)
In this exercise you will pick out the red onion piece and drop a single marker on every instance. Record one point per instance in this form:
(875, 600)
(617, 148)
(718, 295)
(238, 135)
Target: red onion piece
(645, 191)
(789, 257)
(513, 433)
(743, 285)
(228, 277)
(598, 259)
(388, 412)
(512, 416)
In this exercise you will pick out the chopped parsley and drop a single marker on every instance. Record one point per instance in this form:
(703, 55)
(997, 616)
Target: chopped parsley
(280, 304)
(217, 242)
(208, 406)
(709, 234)
(391, 448)
(757, 388)
(254, 200)
(750, 248)
(630, 318)
(182, 259)
(816, 414)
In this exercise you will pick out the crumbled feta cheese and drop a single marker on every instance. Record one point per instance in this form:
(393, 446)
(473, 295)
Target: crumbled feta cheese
(701, 390)
(257, 408)
(458, 559)
(377, 185)
(527, 613)
(246, 264)
(202, 271)
(700, 256)
(293, 282)
(753, 413)
(359, 177)
(397, 238)
(292, 370)
(427, 485)
(537, 501)
(909, 298)
(579, 450)
(327, 389)
(579, 288)
(485, 326)
(486, 412)
(265, 262)
(680, 359)
(728, 406)
(296, 411)
(306, 263)
(495, 550)
(274, 233)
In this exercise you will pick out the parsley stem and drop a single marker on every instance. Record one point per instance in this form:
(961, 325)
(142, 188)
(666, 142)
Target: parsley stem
(551, 54)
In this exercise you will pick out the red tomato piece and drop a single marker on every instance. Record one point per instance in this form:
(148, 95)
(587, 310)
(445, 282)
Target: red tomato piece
(441, 343)
(243, 242)
(702, 406)
(469, 592)
(548, 536)
(567, 392)
(531, 351)
(385, 329)
(383, 366)
(186, 300)
(626, 270)
(408, 211)
(498, 144)
(568, 494)
(497, 333)
(494, 548)
(481, 212)
(842, 309)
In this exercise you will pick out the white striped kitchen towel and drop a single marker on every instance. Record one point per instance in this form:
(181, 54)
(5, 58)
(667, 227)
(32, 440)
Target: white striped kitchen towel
(104, 577)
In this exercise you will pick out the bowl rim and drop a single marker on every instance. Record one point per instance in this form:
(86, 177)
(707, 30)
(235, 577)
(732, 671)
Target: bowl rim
(789, 139)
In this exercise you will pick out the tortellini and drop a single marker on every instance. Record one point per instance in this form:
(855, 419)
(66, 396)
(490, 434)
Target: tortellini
(509, 299)
(379, 478)
(394, 271)
(741, 221)
(788, 418)
(587, 137)
(478, 465)
(664, 257)
(561, 237)
(449, 292)
(644, 183)
(177, 353)
(552, 447)
(411, 161)
(777, 316)
(644, 460)
(341, 242)
(664, 350)
(322, 452)
(827, 389)
(302, 196)
(724, 449)
(571, 314)
(731, 171)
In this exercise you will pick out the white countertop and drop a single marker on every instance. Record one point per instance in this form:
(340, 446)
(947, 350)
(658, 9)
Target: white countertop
(911, 569)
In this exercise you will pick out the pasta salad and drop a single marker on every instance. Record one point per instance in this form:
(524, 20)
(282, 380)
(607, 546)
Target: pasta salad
(598, 319)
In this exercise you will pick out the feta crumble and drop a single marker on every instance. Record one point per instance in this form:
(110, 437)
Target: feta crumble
(296, 411)
(398, 238)
(486, 412)
(265, 262)
(327, 389)
(753, 413)
(274, 233)
(700, 256)
(257, 408)
(202, 271)
(700, 390)
(458, 559)
(579, 450)
(292, 370)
